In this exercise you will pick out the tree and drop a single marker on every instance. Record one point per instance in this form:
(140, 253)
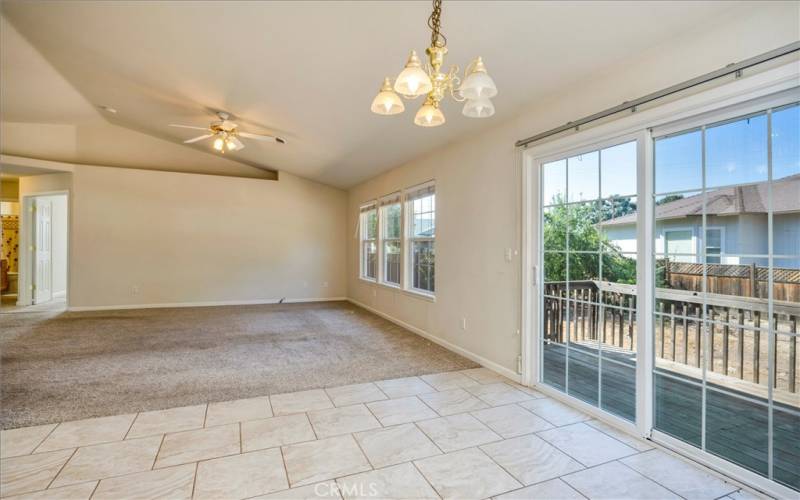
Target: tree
(581, 222)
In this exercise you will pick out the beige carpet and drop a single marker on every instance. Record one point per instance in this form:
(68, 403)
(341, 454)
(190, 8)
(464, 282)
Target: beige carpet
(67, 366)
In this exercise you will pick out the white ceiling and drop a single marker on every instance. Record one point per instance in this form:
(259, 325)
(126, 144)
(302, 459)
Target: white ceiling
(308, 70)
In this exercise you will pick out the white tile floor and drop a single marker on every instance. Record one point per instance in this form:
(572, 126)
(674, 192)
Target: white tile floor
(462, 435)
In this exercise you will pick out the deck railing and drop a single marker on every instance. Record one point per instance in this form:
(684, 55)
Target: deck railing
(605, 313)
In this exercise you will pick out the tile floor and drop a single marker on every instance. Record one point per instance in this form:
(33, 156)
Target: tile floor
(468, 434)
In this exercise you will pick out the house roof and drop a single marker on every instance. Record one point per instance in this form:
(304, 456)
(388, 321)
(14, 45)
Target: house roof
(736, 200)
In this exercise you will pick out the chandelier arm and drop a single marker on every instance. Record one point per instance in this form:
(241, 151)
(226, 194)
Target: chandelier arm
(454, 92)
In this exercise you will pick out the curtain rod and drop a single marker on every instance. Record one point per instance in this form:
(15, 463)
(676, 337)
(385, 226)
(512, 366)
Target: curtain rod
(727, 70)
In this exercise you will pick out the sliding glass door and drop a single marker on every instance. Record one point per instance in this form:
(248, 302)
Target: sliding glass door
(727, 275)
(588, 254)
(702, 349)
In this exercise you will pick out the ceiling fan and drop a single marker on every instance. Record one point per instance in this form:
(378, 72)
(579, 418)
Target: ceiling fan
(226, 134)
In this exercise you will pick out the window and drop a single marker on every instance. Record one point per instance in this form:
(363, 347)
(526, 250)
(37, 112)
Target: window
(369, 247)
(713, 245)
(678, 245)
(588, 217)
(421, 206)
(725, 376)
(391, 223)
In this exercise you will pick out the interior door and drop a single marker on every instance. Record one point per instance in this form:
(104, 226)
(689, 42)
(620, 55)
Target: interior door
(43, 250)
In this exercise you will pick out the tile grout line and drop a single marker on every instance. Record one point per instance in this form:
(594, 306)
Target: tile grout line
(285, 469)
(512, 476)
(316, 438)
(158, 452)
(373, 414)
(95, 489)
(61, 469)
(194, 479)
(648, 478)
(353, 436)
(413, 464)
(33, 452)
(133, 421)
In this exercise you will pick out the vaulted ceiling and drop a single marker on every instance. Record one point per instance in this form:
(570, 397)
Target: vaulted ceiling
(304, 70)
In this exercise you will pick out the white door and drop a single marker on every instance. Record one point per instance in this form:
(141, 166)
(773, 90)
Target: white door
(43, 250)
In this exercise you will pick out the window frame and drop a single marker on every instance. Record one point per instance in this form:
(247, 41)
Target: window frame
(363, 210)
(695, 243)
(721, 254)
(408, 201)
(383, 204)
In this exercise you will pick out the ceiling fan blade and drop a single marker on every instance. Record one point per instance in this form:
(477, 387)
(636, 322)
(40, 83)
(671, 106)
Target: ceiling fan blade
(258, 137)
(199, 138)
(188, 126)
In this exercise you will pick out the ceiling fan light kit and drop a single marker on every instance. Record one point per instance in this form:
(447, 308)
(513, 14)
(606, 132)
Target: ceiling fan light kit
(476, 89)
(226, 134)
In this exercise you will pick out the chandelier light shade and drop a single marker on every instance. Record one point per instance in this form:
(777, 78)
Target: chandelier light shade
(413, 82)
(387, 102)
(478, 108)
(429, 115)
(478, 84)
(219, 143)
(477, 88)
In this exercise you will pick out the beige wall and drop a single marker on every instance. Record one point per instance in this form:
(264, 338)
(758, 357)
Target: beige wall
(142, 237)
(479, 186)
(9, 189)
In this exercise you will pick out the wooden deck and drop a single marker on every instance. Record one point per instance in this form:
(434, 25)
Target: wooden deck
(736, 428)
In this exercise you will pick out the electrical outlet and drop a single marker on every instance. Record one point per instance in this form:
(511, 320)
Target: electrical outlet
(135, 290)
(463, 323)
(508, 254)
(324, 284)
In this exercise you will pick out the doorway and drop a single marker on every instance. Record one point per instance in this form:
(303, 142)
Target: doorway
(44, 267)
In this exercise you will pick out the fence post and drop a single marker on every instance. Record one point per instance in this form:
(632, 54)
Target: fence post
(672, 328)
(753, 281)
(756, 346)
(661, 316)
(792, 352)
(740, 344)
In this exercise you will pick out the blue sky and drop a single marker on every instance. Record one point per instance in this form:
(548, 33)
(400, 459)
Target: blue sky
(736, 153)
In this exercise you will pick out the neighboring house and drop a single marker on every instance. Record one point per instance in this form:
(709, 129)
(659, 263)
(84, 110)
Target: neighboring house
(736, 226)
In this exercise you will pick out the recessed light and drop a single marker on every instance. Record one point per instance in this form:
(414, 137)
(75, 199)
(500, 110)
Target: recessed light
(109, 109)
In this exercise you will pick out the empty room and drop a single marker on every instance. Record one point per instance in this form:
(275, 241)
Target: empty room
(385, 249)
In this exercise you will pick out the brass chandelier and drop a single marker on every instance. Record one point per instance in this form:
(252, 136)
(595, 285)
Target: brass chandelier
(475, 91)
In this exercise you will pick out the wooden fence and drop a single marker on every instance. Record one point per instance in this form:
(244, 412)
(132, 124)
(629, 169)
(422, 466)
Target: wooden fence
(595, 311)
(729, 279)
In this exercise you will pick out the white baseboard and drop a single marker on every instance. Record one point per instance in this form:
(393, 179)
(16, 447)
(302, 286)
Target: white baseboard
(165, 305)
(502, 370)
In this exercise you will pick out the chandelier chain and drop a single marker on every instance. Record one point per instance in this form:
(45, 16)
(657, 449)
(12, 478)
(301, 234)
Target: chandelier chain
(434, 23)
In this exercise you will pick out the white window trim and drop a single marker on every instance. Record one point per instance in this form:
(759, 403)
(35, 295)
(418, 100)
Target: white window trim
(776, 86)
(408, 240)
(361, 240)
